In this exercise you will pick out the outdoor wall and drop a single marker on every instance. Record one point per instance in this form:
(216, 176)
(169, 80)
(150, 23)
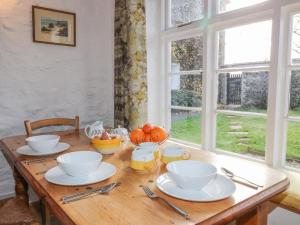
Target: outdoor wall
(295, 89)
(254, 89)
(41, 81)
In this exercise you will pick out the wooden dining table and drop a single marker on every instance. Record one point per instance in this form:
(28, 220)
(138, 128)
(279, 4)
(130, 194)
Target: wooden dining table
(128, 204)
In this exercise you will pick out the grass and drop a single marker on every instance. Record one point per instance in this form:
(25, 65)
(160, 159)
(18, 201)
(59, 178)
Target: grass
(237, 133)
(188, 129)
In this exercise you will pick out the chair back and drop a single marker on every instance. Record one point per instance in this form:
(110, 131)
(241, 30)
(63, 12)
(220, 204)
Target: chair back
(30, 126)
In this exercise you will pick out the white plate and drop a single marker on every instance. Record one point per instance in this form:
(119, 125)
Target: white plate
(26, 150)
(57, 176)
(220, 188)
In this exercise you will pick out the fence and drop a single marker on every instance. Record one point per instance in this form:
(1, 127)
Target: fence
(234, 89)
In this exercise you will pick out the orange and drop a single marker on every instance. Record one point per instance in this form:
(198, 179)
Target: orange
(137, 136)
(147, 138)
(147, 128)
(158, 134)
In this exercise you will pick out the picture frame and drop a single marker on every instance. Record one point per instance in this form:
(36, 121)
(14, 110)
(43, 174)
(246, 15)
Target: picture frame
(51, 26)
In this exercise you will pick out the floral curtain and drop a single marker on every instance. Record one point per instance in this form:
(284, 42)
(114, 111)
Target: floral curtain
(130, 63)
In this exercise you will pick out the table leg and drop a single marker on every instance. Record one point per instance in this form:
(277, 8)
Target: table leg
(258, 216)
(21, 186)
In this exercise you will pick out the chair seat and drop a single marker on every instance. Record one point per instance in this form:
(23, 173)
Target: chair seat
(16, 212)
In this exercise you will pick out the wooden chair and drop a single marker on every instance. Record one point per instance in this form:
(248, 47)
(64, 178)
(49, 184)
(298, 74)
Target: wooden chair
(30, 126)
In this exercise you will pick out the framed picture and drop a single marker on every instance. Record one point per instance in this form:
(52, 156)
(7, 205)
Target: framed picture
(52, 26)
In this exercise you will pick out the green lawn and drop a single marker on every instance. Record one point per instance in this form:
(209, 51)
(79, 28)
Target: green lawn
(237, 133)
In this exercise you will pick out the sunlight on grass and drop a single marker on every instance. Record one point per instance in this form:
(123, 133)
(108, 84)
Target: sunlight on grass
(293, 140)
(241, 134)
(187, 129)
(236, 133)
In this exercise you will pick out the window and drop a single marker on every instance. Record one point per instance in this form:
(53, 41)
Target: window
(186, 88)
(185, 11)
(296, 40)
(243, 91)
(245, 47)
(293, 121)
(225, 89)
(242, 134)
(229, 5)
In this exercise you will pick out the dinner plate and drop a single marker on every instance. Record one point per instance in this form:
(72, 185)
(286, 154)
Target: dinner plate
(26, 150)
(219, 188)
(57, 176)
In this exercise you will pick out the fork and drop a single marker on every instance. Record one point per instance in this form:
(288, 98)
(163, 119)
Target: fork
(82, 195)
(152, 195)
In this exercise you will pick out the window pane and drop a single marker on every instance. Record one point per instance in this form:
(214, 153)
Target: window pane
(184, 11)
(228, 5)
(186, 90)
(296, 40)
(295, 93)
(243, 91)
(186, 125)
(293, 145)
(246, 45)
(241, 134)
(187, 54)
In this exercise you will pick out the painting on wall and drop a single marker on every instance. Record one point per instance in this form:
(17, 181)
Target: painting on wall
(52, 26)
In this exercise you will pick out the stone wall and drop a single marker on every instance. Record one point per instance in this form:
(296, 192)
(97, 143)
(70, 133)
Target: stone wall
(222, 94)
(185, 10)
(295, 89)
(254, 90)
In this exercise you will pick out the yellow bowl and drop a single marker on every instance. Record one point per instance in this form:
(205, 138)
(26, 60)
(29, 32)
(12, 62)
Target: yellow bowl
(107, 146)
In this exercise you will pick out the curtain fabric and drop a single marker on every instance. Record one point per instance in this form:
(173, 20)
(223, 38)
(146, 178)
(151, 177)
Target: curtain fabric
(130, 63)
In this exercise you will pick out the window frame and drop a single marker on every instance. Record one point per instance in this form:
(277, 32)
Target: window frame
(279, 13)
(289, 67)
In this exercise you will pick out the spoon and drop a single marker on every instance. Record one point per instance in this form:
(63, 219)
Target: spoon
(231, 175)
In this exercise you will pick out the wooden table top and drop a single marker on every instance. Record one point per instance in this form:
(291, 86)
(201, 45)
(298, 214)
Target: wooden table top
(127, 204)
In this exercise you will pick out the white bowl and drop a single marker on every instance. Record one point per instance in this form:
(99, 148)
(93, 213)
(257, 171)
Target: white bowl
(79, 164)
(191, 174)
(43, 143)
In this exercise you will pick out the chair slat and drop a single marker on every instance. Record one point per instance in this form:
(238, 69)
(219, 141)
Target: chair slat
(30, 126)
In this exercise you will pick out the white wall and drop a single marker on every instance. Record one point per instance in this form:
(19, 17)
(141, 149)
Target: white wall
(40, 80)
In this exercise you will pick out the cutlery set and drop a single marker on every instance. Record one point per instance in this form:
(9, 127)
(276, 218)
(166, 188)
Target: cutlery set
(81, 195)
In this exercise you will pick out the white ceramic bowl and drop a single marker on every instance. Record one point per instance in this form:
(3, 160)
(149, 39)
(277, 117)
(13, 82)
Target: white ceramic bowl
(79, 164)
(43, 143)
(191, 174)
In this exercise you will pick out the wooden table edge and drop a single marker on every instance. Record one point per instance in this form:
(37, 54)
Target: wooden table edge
(248, 205)
(45, 197)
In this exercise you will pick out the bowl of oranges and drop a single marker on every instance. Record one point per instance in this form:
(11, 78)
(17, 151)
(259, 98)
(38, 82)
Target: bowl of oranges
(148, 133)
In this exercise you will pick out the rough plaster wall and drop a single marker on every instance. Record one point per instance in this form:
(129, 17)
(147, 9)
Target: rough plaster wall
(40, 81)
